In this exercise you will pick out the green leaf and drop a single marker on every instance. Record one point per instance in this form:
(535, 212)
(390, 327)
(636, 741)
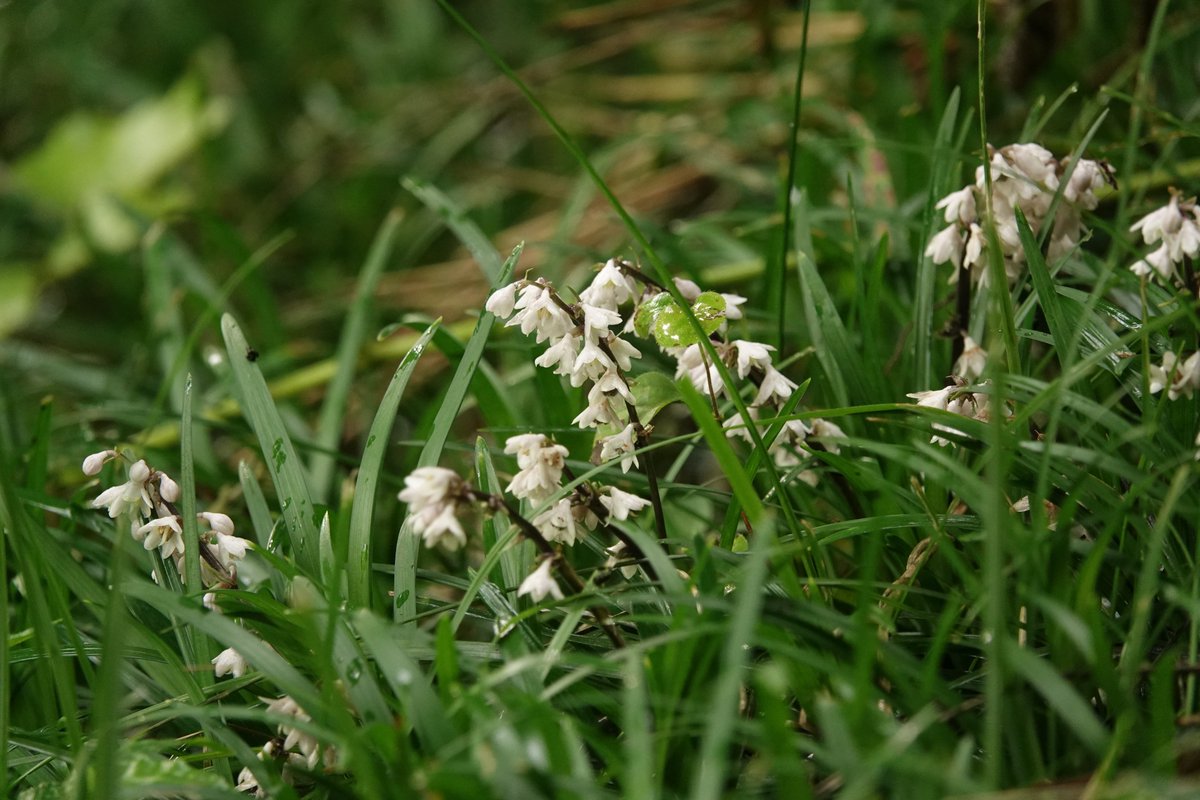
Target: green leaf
(277, 449)
(663, 318)
(652, 392)
(358, 561)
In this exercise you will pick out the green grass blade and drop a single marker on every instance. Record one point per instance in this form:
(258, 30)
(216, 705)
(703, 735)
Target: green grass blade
(1060, 695)
(731, 465)
(358, 560)
(712, 764)
(467, 232)
(1043, 285)
(331, 419)
(277, 449)
(637, 781)
(407, 545)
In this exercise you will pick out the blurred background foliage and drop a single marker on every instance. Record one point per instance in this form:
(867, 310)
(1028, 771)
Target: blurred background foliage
(227, 126)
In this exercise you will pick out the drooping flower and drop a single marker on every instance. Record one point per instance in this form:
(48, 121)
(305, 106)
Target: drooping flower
(229, 662)
(502, 300)
(1177, 226)
(620, 445)
(133, 495)
(541, 463)
(294, 737)
(540, 584)
(621, 504)
(96, 461)
(610, 288)
(557, 523)
(164, 533)
(752, 355)
(973, 361)
(775, 387)
(432, 495)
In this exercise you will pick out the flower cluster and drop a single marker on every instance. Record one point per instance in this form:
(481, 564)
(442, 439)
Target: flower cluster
(582, 342)
(1177, 226)
(1179, 378)
(299, 751)
(959, 398)
(1024, 176)
(149, 497)
(433, 495)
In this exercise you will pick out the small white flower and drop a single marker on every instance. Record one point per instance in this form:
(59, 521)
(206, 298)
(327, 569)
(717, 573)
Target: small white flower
(541, 462)
(959, 206)
(611, 382)
(829, 433)
(230, 549)
(616, 554)
(692, 361)
(557, 523)
(560, 355)
(733, 304)
(539, 313)
(129, 496)
(971, 364)
(621, 504)
(1156, 263)
(540, 584)
(688, 289)
(164, 533)
(96, 461)
(623, 351)
(620, 445)
(246, 782)
(735, 426)
(598, 412)
(610, 288)
(937, 398)
(168, 489)
(209, 600)
(216, 522)
(751, 355)
(946, 246)
(229, 662)
(306, 743)
(1161, 377)
(431, 495)
(775, 385)
(1161, 223)
(597, 320)
(1087, 177)
(502, 300)
(591, 363)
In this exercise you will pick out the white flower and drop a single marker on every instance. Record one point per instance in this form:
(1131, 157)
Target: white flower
(96, 461)
(786, 449)
(209, 600)
(971, 364)
(431, 495)
(502, 300)
(623, 351)
(1161, 223)
(733, 303)
(620, 445)
(591, 363)
(688, 289)
(1161, 377)
(246, 782)
(621, 504)
(959, 206)
(557, 523)
(129, 496)
(735, 426)
(597, 321)
(611, 382)
(306, 743)
(752, 355)
(541, 466)
(775, 385)
(229, 662)
(540, 584)
(693, 362)
(829, 432)
(218, 523)
(1087, 177)
(168, 489)
(616, 554)
(560, 355)
(539, 313)
(1175, 224)
(230, 549)
(599, 411)
(163, 532)
(1180, 379)
(936, 398)
(1156, 263)
(610, 288)
(946, 245)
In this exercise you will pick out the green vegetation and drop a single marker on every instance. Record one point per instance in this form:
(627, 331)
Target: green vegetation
(919, 518)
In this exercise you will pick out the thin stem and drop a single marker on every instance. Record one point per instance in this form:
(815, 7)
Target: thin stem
(962, 315)
(561, 565)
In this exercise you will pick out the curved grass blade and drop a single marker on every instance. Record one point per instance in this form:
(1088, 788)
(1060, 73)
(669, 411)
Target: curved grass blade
(278, 451)
(331, 419)
(358, 559)
(407, 545)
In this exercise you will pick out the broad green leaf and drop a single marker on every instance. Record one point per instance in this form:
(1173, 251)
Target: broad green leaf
(652, 392)
(663, 318)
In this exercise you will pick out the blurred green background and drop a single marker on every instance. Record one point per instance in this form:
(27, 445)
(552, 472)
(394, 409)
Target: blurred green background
(227, 127)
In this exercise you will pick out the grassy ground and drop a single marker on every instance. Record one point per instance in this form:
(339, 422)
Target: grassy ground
(227, 226)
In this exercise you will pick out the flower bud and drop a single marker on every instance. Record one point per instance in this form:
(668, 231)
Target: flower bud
(95, 462)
